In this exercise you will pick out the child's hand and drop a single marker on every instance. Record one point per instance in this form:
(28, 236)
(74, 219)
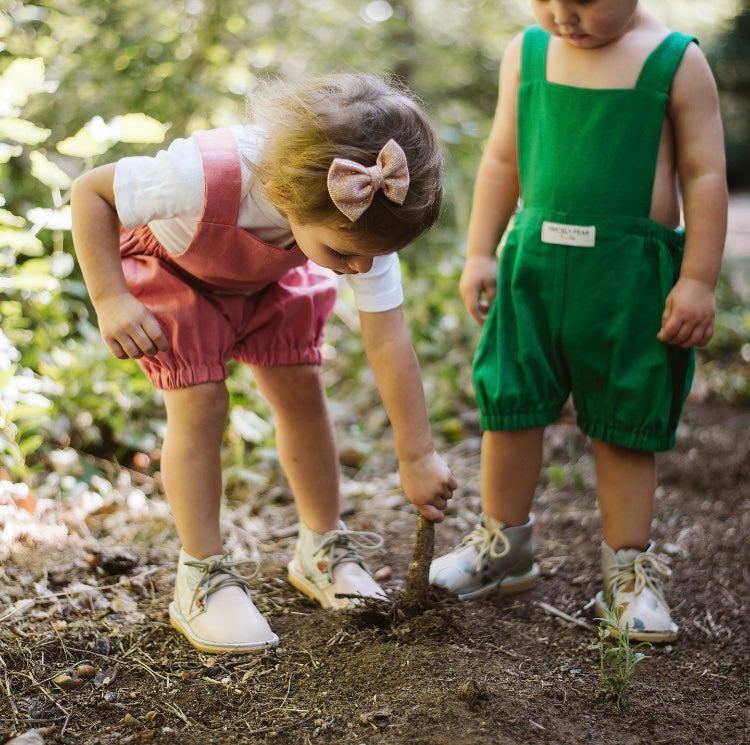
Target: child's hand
(129, 328)
(689, 313)
(478, 285)
(428, 484)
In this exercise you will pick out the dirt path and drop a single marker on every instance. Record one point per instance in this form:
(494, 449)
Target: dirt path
(501, 670)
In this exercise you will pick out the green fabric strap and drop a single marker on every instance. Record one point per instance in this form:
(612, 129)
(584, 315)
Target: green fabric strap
(534, 53)
(657, 72)
(662, 63)
(591, 150)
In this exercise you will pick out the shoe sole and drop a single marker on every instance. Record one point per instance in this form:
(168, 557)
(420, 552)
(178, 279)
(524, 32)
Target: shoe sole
(506, 586)
(180, 624)
(298, 580)
(653, 637)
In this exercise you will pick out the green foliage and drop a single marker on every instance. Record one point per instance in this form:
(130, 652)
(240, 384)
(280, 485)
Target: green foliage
(57, 381)
(730, 60)
(570, 473)
(725, 361)
(83, 83)
(561, 474)
(618, 659)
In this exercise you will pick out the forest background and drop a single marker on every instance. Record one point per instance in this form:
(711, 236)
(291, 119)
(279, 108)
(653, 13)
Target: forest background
(83, 83)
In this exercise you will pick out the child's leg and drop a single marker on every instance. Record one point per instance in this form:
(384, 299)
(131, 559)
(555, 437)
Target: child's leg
(511, 461)
(626, 484)
(326, 561)
(191, 464)
(305, 439)
(498, 553)
(212, 606)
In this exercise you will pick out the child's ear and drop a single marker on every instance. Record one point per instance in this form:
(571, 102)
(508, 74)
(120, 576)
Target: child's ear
(275, 193)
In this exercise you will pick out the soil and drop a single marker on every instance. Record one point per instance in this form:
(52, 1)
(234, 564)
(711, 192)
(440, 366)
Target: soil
(87, 654)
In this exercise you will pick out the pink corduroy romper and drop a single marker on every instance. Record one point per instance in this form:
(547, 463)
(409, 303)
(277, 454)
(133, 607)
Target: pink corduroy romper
(229, 295)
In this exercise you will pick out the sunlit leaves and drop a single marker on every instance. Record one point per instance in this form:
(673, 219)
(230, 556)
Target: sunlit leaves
(138, 128)
(249, 426)
(84, 144)
(97, 136)
(33, 275)
(49, 173)
(19, 242)
(61, 265)
(22, 78)
(22, 407)
(20, 130)
(50, 219)
(8, 218)
(9, 151)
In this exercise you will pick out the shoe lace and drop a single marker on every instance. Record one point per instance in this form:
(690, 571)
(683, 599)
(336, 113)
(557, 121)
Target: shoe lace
(641, 571)
(224, 568)
(343, 545)
(485, 541)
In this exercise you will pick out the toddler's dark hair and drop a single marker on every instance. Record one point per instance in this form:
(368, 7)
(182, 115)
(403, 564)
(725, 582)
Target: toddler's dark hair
(347, 116)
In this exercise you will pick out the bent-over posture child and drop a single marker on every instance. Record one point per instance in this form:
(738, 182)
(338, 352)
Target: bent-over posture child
(230, 245)
(601, 113)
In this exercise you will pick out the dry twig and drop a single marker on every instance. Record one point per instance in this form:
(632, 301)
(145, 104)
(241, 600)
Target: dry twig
(417, 592)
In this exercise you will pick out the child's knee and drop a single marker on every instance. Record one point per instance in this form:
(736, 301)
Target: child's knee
(291, 386)
(207, 402)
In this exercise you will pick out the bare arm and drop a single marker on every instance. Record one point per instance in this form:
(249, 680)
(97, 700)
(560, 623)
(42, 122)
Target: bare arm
(426, 480)
(690, 310)
(127, 326)
(496, 191)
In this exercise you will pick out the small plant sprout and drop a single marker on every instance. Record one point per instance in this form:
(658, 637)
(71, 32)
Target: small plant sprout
(618, 659)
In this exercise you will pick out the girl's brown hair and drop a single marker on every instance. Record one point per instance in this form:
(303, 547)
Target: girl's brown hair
(347, 116)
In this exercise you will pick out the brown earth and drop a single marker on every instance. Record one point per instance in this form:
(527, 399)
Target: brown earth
(88, 656)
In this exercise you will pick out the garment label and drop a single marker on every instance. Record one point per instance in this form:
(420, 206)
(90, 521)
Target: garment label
(568, 235)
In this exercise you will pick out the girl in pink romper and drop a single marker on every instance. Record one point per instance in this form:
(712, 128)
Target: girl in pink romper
(372, 186)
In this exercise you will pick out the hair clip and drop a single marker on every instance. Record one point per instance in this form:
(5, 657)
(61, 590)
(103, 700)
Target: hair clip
(352, 186)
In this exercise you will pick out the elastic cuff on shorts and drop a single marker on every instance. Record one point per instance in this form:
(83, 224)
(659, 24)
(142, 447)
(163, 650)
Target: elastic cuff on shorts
(632, 440)
(167, 379)
(526, 420)
(278, 357)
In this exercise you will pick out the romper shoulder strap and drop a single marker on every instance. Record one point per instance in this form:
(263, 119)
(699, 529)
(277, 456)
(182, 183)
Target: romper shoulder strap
(534, 53)
(662, 63)
(223, 177)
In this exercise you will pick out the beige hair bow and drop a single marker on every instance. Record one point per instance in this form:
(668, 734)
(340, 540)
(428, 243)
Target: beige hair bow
(352, 185)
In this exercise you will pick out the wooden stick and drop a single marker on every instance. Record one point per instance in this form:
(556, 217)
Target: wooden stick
(417, 592)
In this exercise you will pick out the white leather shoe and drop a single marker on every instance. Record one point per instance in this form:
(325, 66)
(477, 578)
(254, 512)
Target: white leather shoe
(329, 564)
(491, 557)
(631, 588)
(212, 608)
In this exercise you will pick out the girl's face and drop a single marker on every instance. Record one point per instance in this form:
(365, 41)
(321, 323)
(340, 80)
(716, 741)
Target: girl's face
(585, 23)
(333, 249)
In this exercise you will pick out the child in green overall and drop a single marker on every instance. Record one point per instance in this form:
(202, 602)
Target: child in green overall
(599, 293)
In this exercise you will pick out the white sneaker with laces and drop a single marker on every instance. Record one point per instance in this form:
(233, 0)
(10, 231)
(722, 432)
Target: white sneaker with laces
(491, 557)
(213, 609)
(631, 587)
(325, 565)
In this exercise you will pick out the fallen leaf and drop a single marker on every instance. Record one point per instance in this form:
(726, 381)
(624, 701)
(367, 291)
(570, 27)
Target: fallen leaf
(85, 671)
(66, 682)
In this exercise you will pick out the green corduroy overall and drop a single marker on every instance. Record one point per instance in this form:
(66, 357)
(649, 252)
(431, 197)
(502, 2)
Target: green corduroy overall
(584, 273)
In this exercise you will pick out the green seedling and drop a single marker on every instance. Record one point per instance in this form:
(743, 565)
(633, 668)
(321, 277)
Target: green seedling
(618, 659)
